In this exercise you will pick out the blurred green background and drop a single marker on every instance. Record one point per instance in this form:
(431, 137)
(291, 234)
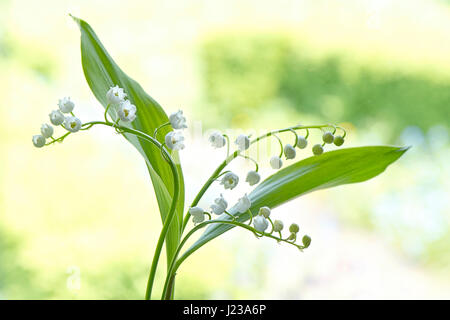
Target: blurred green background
(79, 220)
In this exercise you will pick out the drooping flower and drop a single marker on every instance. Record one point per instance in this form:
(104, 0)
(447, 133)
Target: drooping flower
(276, 162)
(229, 180)
(278, 225)
(38, 141)
(243, 142)
(217, 139)
(46, 130)
(253, 177)
(56, 117)
(115, 95)
(219, 206)
(177, 120)
(72, 124)
(302, 142)
(174, 140)
(126, 111)
(289, 151)
(264, 211)
(260, 223)
(197, 214)
(66, 105)
(243, 204)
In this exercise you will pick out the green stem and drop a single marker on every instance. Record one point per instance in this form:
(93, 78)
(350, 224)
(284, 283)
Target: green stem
(213, 177)
(106, 112)
(251, 159)
(173, 205)
(160, 127)
(228, 144)
(176, 263)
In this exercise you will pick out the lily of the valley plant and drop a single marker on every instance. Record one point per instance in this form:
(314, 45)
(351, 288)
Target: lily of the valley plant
(132, 113)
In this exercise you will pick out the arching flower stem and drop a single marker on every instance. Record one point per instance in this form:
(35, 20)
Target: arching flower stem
(176, 263)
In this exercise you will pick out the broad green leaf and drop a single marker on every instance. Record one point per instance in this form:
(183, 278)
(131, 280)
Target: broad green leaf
(328, 170)
(101, 73)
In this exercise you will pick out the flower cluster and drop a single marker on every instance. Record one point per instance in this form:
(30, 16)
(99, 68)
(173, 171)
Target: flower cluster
(230, 180)
(174, 139)
(58, 118)
(125, 110)
(244, 208)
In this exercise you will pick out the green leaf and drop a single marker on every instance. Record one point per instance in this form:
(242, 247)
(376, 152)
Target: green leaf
(328, 170)
(101, 73)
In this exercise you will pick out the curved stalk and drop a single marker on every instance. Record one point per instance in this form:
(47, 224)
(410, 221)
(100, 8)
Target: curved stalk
(173, 205)
(176, 263)
(235, 154)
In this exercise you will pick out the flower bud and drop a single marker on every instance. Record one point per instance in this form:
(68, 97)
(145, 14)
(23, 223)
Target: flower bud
(264, 211)
(276, 162)
(278, 225)
(294, 228)
(338, 141)
(328, 137)
(306, 240)
(302, 142)
(317, 149)
(253, 177)
(38, 141)
(289, 151)
(46, 130)
(260, 223)
(56, 117)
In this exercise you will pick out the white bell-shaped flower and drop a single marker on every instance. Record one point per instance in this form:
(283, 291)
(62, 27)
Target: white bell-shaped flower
(289, 151)
(276, 162)
(66, 105)
(217, 139)
(177, 120)
(38, 141)
(115, 95)
(229, 180)
(72, 124)
(174, 140)
(46, 130)
(243, 142)
(243, 204)
(260, 223)
(197, 214)
(264, 211)
(56, 117)
(253, 177)
(219, 206)
(126, 111)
